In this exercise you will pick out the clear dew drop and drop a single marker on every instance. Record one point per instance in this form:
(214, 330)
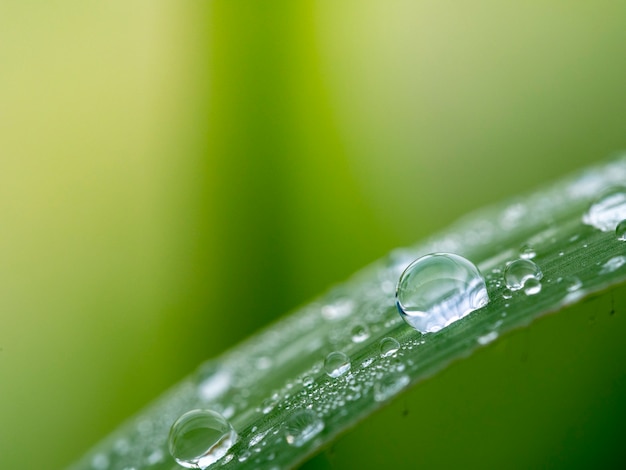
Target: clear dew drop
(488, 338)
(213, 381)
(517, 273)
(269, 404)
(620, 231)
(527, 252)
(245, 455)
(359, 333)
(341, 308)
(388, 347)
(608, 210)
(439, 289)
(572, 283)
(390, 385)
(301, 427)
(199, 438)
(336, 364)
(613, 264)
(100, 462)
(507, 294)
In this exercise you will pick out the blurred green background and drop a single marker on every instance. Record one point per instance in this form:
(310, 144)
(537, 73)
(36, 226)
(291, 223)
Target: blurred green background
(175, 175)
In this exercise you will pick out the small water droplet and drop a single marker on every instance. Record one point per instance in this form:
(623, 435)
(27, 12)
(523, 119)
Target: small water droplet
(439, 289)
(254, 440)
(488, 338)
(100, 462)
(213, 380)
(336, 364)
(200, 437)
(572, 283)
(518, 272)
(301, 427)
(389, 385)
(269, 404)
(620, 231)
(308, 381)
(155, 457)
(359, 333)
(341, 308)
(367, 362)
(388, 347)
(532, 286)
(527, 252)
(613, 264)
(263, 362)
(507, 294)
(122, 446)
(608, 210)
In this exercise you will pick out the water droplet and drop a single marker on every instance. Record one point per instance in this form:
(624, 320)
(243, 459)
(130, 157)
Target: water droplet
(359, 333)
(518, 272)
(620, 231)
(532, 286)
(341, 308)
(367, 362)
(488, 338)
(308, 381)
(389, 385)
(100, 462)
(507, 294)
(572, 283)
(439, 289)
(122, 446)
(254, 440)
(613, 264)
(155, 457)
(336, 364)
(200, 437)
(301, 427)
(527, 252)
(213, 380)
(388, 347)
(608, 210)
(263, 362)
(269, 404)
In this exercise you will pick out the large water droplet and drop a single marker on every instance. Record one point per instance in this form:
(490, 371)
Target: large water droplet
(336, 364)
(608, 210)
(439, 289)
(301, 427)
(518, 272)
(200, 437)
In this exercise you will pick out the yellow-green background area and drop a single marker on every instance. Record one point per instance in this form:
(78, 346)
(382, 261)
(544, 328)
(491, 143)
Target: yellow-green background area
(175, 175)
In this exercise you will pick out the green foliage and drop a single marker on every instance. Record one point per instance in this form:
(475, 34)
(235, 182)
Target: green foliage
(265, 380)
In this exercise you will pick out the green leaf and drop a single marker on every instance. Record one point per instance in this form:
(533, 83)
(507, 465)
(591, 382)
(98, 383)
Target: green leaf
(261, 384)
